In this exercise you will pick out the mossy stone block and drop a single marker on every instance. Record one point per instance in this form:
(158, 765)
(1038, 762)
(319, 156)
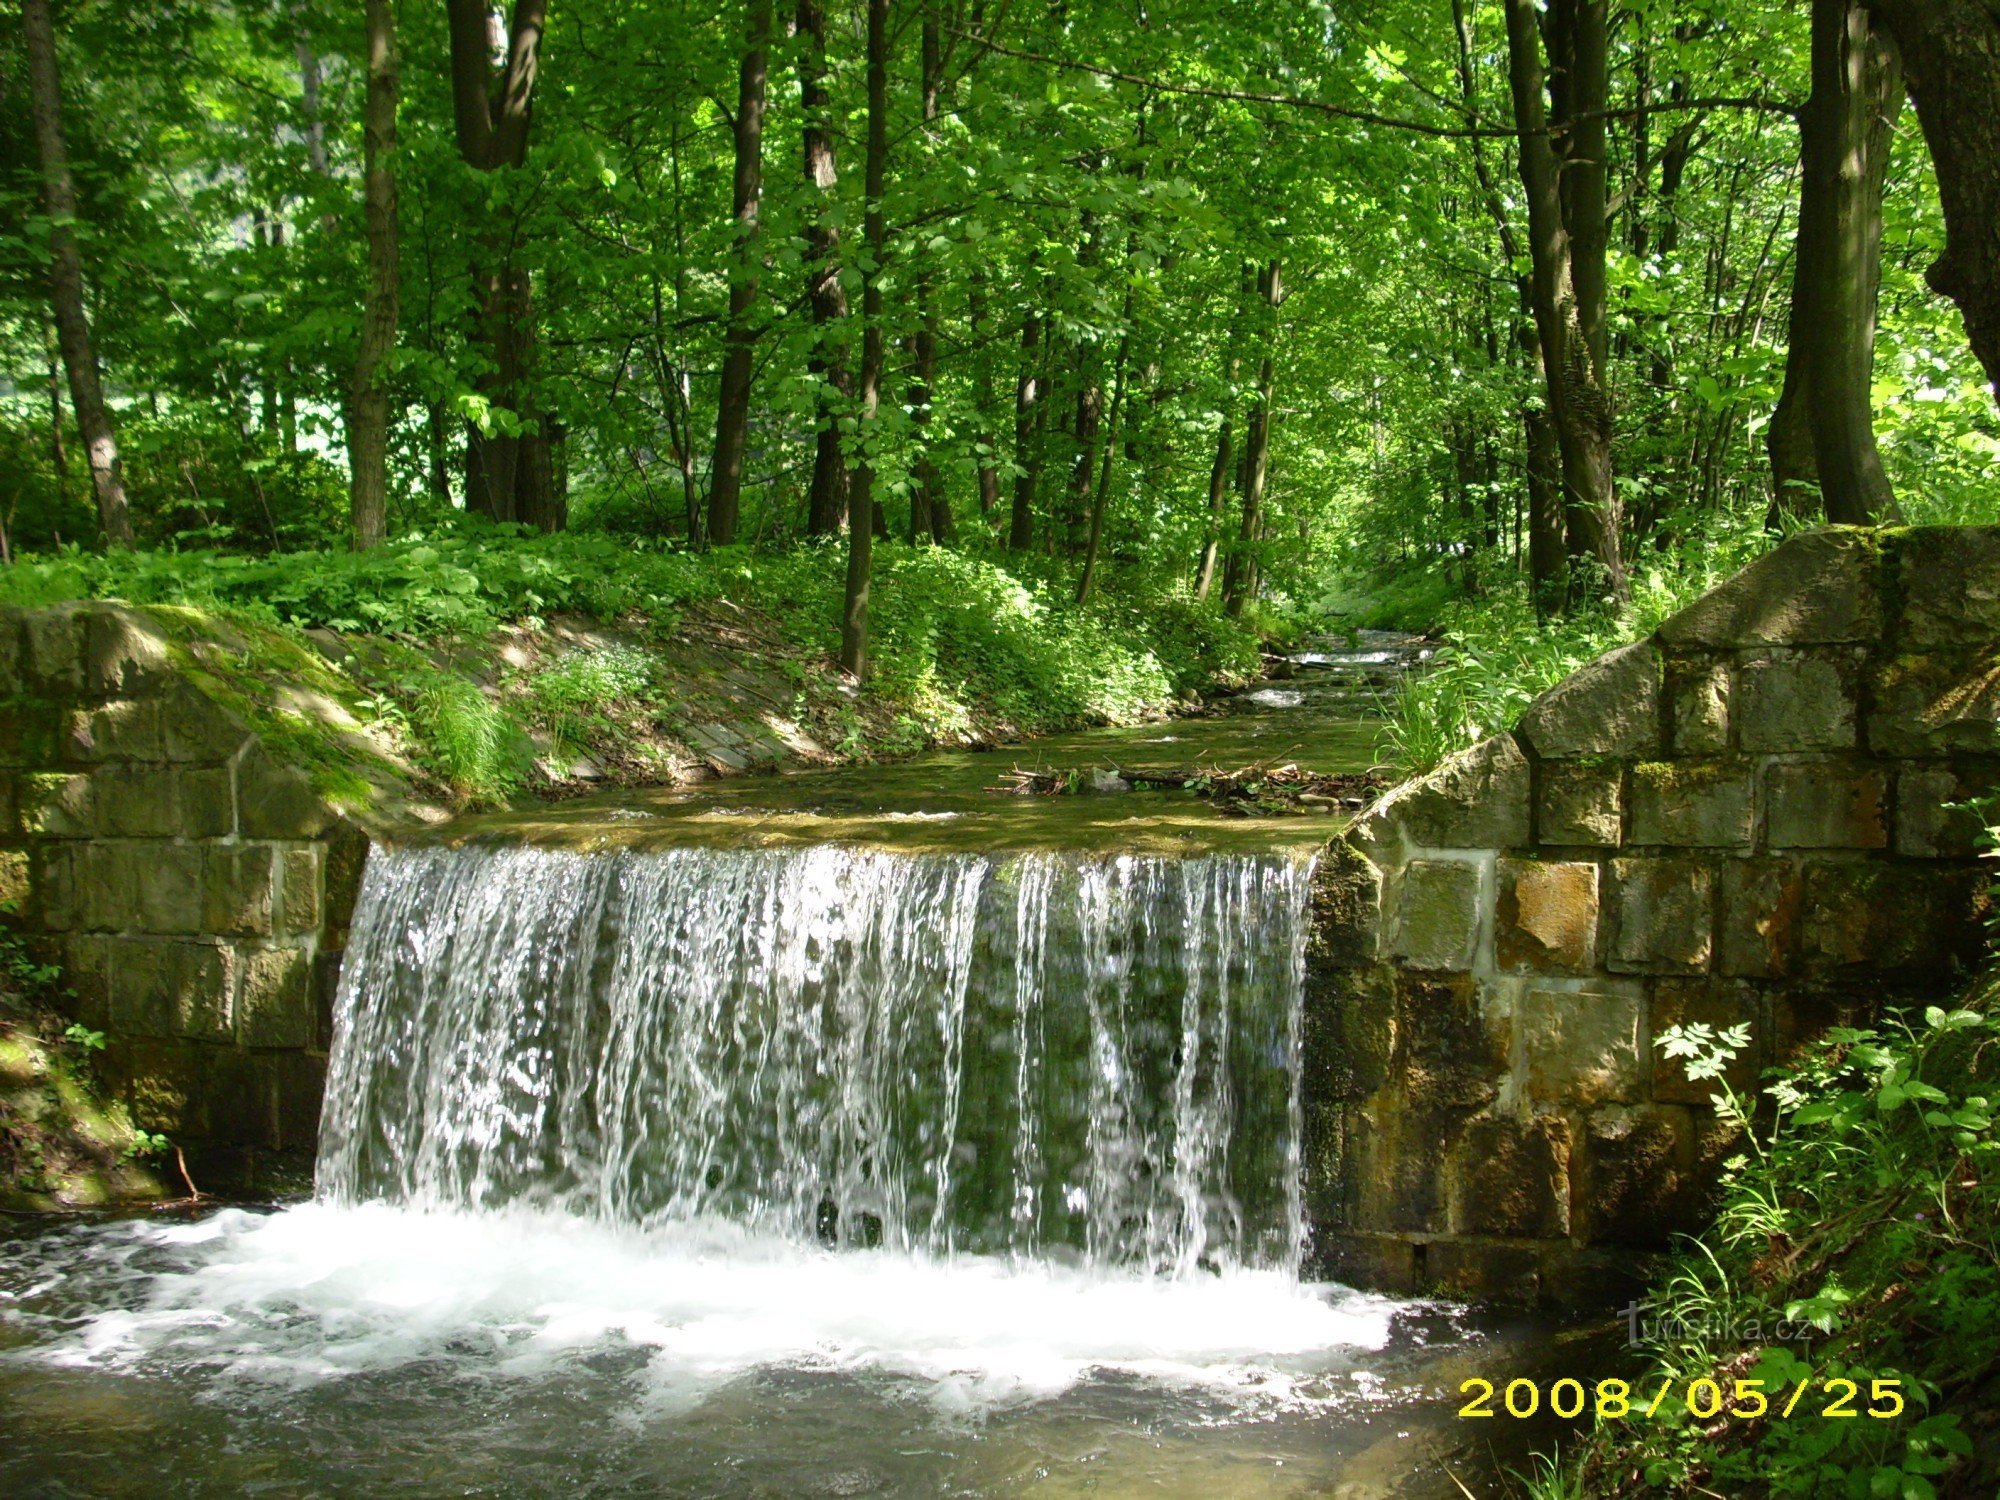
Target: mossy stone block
(1437, 914)
(1937, 704)
(1821, 588)
(1610, 707)
(1579, 802)
(1693, 804)
(1761, 903)
(1698, 696)
(1826, 804)
(274, 1004)
(1476, 799)
(1509, 1176)
(57, 804)
(1663, 916)
(240, 884)
(164, 988)
(1950, 580)
(1795, 700)
(1583, 1047)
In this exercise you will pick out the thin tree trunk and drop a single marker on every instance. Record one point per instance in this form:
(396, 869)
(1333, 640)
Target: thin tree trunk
(58, 449)
(929, 512)
(1239, 575)
(732, 413)
(875, 232)
(1101, 499)
(86, 391)
(1951, 60)
(1218, 496)
(368, 402)
(989, 443)
(1567, 278)
(1027, 398)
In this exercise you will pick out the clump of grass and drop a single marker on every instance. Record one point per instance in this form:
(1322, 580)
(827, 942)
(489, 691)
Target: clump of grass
(466, 738)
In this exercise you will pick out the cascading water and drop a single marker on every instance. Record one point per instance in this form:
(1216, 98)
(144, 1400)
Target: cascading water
(1045, 1055)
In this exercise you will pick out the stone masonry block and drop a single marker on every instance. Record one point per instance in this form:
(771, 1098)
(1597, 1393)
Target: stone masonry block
(1583, 1048)
(164, 893)
(1717, 1003)
(1509, 1175)
(1894, 918)
(205, 801)
(1795, 700)
(1636, 1175)
(300, 902)
(1610, 707)
(1477, 799)
(1827, 804)
(1761, 903)
(124, 651)
(1452, 1041)
(52, 649)
(1547, 917)
(274, 1004)
(1346, 906)
(86, 966)
(31, 734)
(1933, 817)
(1437, 914)
(1944, 703)
(1663, 916)
(1697, 804)
(1950, 578)
(163, 987)
(240, 889)
(1579, 802)
(273, 801)
(1698, 694)
(195, 729)
(17, 882)
(56, 805)
(125, 730)
(1816, 589)
(10, 653)
(162, 1081)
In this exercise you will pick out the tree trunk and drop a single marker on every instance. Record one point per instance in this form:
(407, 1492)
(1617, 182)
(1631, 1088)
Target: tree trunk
(1951, 60)
(827, 502)
(1822, 435)
(492, 131)
(1239, 575)
(1566, 246)
(732, 411)
(989, 440)
(1027, 397)
(1218, 496)
(875, 232)
(930, 515)
(86, 390)
(1101, 499)
(368, 402)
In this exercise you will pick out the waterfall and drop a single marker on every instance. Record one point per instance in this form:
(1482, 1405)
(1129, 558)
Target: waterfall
(1069, 1057)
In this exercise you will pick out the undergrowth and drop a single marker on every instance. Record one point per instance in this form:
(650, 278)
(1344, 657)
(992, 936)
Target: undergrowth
(1861, 1212)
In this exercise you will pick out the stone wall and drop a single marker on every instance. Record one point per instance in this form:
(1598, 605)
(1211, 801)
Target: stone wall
(193, 886)
(1749, 816)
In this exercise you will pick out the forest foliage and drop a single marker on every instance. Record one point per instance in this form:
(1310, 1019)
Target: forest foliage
(1201, 302)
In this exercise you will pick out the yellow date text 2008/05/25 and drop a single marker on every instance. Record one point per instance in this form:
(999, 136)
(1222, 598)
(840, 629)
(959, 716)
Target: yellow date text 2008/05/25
(1614, 1400)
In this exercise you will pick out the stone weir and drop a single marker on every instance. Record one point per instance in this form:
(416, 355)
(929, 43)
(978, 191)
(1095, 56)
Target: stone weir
(1757, 814)
(185, 807)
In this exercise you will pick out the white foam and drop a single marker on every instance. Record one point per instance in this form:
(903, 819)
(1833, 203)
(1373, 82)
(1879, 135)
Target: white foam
(317, 1293)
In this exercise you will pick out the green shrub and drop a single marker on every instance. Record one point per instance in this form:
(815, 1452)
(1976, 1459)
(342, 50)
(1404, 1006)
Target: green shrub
(569, 698)
(1864, 1204)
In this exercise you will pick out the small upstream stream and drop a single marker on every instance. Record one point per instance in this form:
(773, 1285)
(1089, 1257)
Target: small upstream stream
(842, 1134)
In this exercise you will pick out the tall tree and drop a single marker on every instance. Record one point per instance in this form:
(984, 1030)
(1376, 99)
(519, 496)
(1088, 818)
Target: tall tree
(732, 414)
(1027, 409)
(1950, 52)
(1239, 574)
(509, 476)
(827, 501)
(1822, 435)
(368, 401)
(875, 235)
(86, 389)
(1567, 242)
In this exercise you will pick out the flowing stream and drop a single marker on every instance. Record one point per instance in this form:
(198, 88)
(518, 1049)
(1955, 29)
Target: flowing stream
(703, 1160)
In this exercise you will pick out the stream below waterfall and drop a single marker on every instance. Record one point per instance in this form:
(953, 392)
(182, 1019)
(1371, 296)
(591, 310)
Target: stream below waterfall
(855, 1133)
